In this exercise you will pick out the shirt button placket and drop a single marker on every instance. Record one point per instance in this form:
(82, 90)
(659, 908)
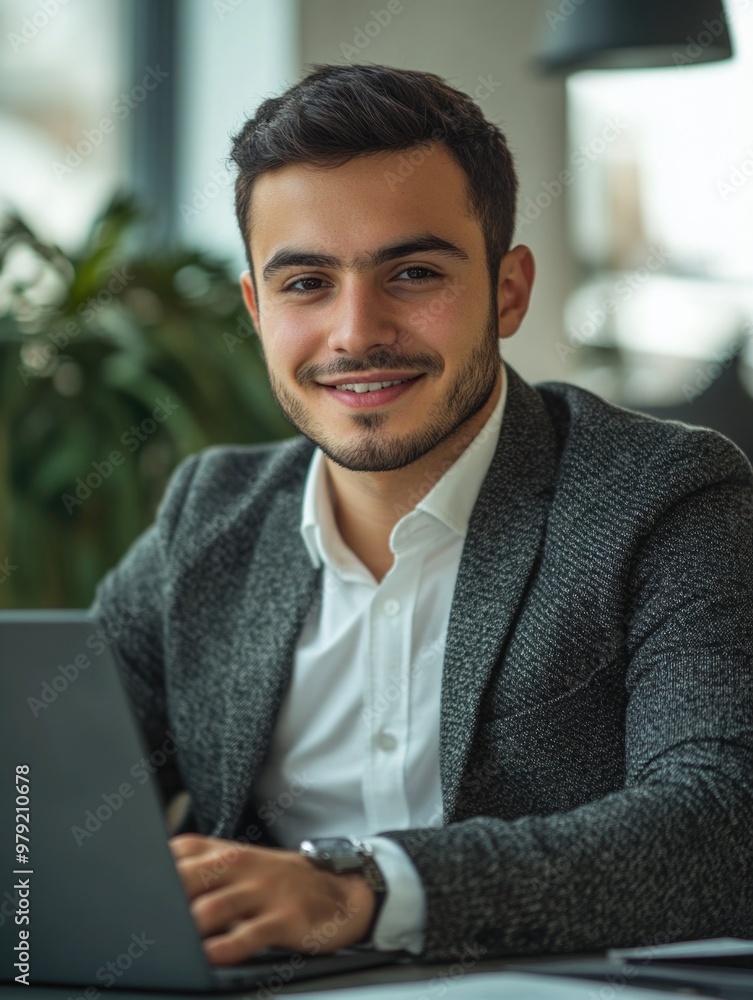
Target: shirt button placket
(390, 645)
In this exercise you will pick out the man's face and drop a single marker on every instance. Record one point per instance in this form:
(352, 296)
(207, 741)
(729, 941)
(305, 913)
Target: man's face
(370, 272)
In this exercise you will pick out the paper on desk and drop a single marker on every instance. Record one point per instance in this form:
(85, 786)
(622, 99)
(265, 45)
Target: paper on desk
(675, 952)
(490, 986)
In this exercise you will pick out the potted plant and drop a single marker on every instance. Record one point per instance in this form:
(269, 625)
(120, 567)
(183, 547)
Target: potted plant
(115, 362)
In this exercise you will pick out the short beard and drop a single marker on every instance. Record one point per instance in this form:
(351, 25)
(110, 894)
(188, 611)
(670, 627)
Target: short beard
(465, 397)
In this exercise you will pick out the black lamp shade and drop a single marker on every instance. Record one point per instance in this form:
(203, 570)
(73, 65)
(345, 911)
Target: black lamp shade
(623, 34)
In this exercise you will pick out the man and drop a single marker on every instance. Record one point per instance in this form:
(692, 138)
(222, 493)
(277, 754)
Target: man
(500, 634)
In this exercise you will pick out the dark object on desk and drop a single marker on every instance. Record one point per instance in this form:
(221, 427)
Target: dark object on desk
(100, 886)
(724, 984)
(731, 953)
(725, 406)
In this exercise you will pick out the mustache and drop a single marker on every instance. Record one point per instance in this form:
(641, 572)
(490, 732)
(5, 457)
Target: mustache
(427, 364)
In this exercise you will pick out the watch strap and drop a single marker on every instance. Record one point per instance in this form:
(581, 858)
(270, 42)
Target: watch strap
(372, 873)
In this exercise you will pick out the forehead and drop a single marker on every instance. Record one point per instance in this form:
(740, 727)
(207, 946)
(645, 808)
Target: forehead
(362, 202)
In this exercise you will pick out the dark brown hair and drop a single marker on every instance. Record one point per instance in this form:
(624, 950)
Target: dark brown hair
(338, 112)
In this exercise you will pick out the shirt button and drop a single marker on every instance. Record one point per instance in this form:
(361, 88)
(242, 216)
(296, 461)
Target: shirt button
(391, 608)
(386, 741)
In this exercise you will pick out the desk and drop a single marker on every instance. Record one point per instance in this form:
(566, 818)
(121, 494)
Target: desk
(442, 980)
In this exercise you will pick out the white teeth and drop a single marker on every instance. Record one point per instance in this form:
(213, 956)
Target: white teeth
(370, 386)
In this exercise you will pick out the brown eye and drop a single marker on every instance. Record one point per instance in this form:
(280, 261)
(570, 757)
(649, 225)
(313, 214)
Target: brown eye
(309, 285)
(419, 275)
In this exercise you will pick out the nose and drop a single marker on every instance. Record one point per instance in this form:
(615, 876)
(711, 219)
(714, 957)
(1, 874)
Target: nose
(360, 320)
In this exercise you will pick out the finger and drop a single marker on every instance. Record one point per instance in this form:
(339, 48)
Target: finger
(246, 939)
(215, 912)
(187, 845)
(202, 874)
(204, 863)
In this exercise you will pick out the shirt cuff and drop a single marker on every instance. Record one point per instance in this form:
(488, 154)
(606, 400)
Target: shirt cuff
(402, 919)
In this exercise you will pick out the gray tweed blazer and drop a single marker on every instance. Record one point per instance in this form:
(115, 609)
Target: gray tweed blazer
(596, 734)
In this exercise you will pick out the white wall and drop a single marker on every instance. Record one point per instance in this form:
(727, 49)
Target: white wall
(235, 53)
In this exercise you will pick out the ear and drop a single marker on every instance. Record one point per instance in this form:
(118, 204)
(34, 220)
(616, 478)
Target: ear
(249, 297)
(517, 270)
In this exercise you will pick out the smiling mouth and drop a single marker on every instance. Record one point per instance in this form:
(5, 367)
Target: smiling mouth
(363, 387)
(360, 395)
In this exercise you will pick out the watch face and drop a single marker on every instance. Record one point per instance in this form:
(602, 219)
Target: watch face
(336, 853)
(334, 847)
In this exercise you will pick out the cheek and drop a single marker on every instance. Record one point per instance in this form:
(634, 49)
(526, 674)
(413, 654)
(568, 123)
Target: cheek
(438, 322)
(289, 342)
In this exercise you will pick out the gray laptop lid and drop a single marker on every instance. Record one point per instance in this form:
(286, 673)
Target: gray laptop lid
(95, 898)
(100, 885)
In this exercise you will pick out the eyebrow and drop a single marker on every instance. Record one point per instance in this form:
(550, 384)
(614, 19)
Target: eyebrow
(421, 243)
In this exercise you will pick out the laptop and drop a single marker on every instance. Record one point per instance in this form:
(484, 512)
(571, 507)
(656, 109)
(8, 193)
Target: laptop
(91, 893)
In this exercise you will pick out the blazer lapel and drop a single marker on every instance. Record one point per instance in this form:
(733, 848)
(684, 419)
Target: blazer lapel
(280, 589)
(504, 539)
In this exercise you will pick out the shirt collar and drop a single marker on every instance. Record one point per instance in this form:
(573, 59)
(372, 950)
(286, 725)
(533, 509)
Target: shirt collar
(450, 500)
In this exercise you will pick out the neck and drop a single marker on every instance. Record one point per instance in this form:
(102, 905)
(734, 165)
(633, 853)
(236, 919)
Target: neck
(367, 505)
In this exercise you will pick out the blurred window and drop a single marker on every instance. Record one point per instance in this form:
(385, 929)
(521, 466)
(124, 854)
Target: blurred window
(64, 108)
(661, 207)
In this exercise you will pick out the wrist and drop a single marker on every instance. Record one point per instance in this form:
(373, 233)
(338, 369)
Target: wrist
(352, 865)
(360, 904)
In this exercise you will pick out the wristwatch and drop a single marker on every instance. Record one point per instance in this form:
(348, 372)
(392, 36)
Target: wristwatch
(342, 855)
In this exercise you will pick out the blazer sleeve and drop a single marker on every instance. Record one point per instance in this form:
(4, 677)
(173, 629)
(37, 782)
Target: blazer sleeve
(669, 856)
(130, 603)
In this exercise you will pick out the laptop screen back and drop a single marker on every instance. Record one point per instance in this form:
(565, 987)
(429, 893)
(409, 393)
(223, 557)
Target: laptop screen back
(99, 896)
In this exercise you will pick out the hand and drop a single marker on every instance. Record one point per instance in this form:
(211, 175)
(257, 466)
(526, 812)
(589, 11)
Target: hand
(247, 899)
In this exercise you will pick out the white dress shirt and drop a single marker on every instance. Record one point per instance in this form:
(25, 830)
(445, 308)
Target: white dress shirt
(356, 746)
